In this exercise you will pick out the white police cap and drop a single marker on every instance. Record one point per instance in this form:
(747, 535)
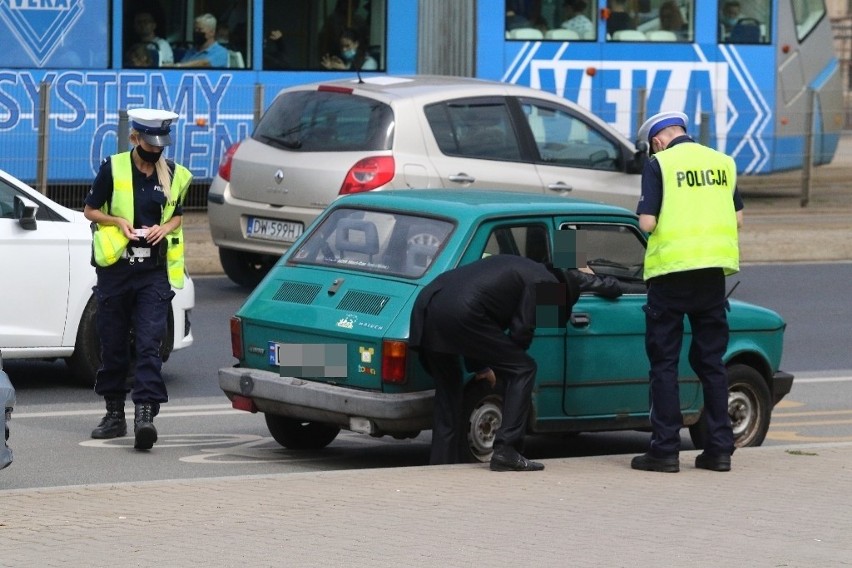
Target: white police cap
(659, 121)
(153, 125)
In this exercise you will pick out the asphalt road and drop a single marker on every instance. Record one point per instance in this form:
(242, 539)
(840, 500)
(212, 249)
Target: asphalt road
(200, 436)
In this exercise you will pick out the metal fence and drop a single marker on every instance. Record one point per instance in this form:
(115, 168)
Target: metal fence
(842, 29)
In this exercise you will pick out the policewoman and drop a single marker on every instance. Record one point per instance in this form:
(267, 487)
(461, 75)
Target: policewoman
(693, 211)
(135, 205)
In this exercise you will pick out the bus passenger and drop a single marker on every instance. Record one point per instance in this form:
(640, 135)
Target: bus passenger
(146, 31)
(352, 54)
(207, 52)
(139, 56)
(730, 16)
(576, 19)
(672, 20)
(619, 18)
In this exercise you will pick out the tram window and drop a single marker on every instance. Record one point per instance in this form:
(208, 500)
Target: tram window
(663, 21)
(325, 34)
(558, 20)
(216, 34)
(744, 21)
(807, 14)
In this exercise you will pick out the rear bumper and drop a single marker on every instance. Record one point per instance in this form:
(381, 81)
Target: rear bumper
(781, 384)
(368, 412)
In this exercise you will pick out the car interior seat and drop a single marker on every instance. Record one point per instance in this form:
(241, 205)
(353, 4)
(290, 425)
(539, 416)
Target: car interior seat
(746, 30)
(356, 236)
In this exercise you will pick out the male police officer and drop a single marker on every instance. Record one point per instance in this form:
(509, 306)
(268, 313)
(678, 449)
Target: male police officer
(692, 210)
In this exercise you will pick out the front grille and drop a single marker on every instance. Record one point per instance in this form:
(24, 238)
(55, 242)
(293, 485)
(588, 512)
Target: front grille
(296, 292)
(363, 302)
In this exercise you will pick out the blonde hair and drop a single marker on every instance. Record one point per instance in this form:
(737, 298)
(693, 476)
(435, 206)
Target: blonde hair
(161, 167)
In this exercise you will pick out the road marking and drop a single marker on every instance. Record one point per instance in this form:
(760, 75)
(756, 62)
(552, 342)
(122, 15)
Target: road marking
(165, 411)
(813, 380)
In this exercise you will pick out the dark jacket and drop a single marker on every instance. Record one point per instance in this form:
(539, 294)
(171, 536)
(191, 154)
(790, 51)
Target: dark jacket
(468, 310)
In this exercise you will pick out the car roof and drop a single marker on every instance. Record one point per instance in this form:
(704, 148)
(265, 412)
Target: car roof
(464, 203)
(428, 87)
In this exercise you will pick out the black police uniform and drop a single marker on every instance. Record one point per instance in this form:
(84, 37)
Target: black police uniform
(134, 292)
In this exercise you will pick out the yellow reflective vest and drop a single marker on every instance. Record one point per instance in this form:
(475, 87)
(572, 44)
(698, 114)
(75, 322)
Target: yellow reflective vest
(697, 224)
(109, 243)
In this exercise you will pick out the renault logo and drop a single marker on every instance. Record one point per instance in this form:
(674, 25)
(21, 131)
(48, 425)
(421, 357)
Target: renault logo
(279, 177)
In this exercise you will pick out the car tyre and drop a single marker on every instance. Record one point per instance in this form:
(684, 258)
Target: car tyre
(245, 269)
(86, 359)
(483, 413)
(749, 405)
(300, 435)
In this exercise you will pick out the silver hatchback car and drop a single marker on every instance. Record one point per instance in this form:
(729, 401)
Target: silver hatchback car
(320, 141)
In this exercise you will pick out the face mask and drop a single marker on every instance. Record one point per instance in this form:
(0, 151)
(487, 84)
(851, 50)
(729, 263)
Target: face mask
(199, 38)
(150, 157)
(348, 54)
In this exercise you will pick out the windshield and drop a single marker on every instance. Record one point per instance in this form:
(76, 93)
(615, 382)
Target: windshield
(375, 241)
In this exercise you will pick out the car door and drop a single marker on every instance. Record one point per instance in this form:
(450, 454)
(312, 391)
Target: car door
(476, 146)
(577, 158)
(607, 368)
(35, 276)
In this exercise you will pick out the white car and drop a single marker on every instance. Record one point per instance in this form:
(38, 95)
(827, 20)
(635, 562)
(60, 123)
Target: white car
(318, 141)
(48, 307)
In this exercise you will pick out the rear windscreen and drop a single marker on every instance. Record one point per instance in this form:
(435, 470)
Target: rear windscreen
(375, 241)
(321, 121)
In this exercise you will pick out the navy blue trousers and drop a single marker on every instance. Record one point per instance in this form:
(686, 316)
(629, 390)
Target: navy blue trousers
(700, 296)
(137, 297)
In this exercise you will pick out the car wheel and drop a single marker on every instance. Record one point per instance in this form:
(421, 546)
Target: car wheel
(749, 405)
(483, 409)
(245, 269)
(86, 359)
(300, 435)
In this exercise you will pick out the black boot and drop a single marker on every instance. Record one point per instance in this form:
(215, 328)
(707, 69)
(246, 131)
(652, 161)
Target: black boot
(143, 425)
(113, 424)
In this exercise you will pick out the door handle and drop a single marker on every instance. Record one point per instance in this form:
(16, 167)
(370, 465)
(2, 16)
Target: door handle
(580, 320)
(462, 177)
(560, 186)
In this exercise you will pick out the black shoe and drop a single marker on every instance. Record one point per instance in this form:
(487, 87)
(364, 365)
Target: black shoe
(113, 424)
(143, 427)
(713, 463)
(647, 462)
(513, 461)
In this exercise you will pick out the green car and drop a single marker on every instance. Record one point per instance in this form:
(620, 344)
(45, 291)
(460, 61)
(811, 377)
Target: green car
(322, 341)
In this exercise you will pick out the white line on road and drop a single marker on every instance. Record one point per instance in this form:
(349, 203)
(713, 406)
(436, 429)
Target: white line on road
(165, 411)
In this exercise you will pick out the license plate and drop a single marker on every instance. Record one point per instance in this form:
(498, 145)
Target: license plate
(273, 229)
(308, 360)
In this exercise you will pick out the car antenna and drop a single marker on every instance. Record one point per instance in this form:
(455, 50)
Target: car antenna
(358, 72)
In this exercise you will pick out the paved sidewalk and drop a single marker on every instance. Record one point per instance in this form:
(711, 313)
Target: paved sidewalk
(777, 228)
(779, 506)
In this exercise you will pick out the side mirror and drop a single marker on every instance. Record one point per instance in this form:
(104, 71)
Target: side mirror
(25, 212)
(637, 164)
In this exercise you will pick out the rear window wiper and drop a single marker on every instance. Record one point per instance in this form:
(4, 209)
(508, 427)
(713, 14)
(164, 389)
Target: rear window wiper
(287, 142)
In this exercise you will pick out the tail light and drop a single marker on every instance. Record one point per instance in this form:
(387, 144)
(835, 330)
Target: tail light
(225, 164)
(394, 361)
(237, 338)
(240, 402)
(368, 174)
